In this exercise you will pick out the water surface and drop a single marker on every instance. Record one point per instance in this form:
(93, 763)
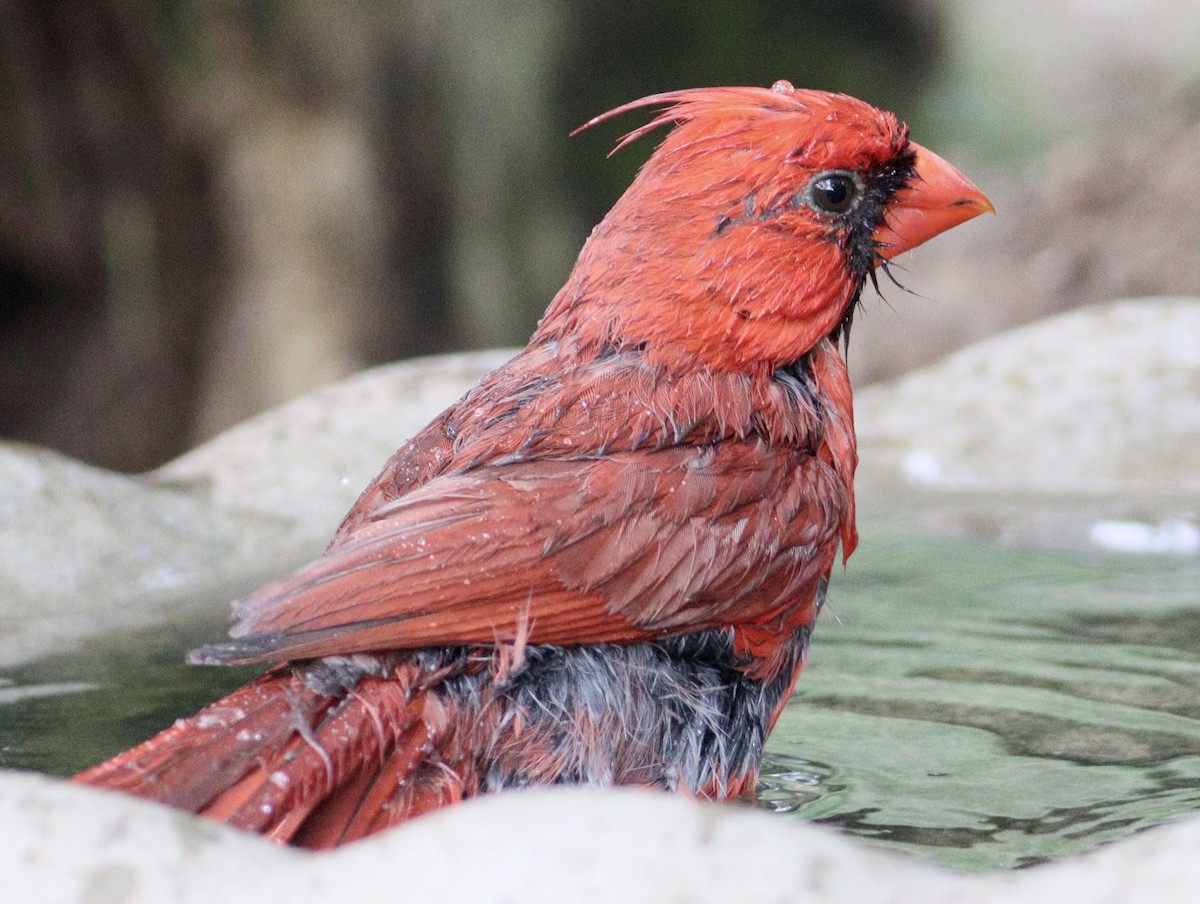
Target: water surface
(974, 705)
(986, 707)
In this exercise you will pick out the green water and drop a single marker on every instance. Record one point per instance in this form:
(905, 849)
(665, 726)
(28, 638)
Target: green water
(989, 708)
(974, 705)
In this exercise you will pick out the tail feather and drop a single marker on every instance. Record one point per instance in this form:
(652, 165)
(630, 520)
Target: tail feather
(382, 797)
(279, 758)
(196, 759)
(322, 759)
(332, 750)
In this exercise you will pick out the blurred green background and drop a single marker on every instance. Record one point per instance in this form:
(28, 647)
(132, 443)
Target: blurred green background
(207, 208)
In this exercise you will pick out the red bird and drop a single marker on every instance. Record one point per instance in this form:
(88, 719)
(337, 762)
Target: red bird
(602, 565)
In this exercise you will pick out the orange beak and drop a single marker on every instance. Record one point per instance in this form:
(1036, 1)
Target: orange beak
(939, 197)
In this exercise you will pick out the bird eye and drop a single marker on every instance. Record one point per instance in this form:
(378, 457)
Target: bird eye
(833, 193)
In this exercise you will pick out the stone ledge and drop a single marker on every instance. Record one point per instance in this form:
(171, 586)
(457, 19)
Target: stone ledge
(68, 844)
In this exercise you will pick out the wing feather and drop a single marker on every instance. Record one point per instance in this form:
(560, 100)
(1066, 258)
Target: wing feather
(617, 548)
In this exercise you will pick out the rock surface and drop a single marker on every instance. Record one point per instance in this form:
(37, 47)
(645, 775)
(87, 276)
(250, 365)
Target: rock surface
(85, 551)
(1100, 399)
(1098, 405)
(80, 845)
(1043, 433)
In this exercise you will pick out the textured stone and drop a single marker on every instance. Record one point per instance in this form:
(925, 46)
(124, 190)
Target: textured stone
(68, 844)
(86, 552)
(1077, 431)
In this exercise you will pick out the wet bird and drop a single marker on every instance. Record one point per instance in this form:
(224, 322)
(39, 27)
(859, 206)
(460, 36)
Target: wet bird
(602, 565)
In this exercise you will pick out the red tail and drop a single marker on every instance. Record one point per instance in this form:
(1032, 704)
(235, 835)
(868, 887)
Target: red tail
(279, 758)
(332, 750)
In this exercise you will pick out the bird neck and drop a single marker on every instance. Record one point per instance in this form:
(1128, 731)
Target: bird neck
(746, 302)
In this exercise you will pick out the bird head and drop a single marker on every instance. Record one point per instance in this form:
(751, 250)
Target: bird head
(749, 234)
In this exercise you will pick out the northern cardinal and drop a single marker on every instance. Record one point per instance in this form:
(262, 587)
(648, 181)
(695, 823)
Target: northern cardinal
(602, 565)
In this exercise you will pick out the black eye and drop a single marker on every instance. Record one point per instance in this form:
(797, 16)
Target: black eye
(833, 192)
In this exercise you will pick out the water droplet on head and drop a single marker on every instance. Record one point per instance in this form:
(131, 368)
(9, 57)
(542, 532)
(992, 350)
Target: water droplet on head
(783, 86)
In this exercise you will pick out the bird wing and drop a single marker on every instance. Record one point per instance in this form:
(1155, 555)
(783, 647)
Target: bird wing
(614, 548)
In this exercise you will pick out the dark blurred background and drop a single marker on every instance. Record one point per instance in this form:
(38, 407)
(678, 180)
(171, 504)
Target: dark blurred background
(207, 208)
